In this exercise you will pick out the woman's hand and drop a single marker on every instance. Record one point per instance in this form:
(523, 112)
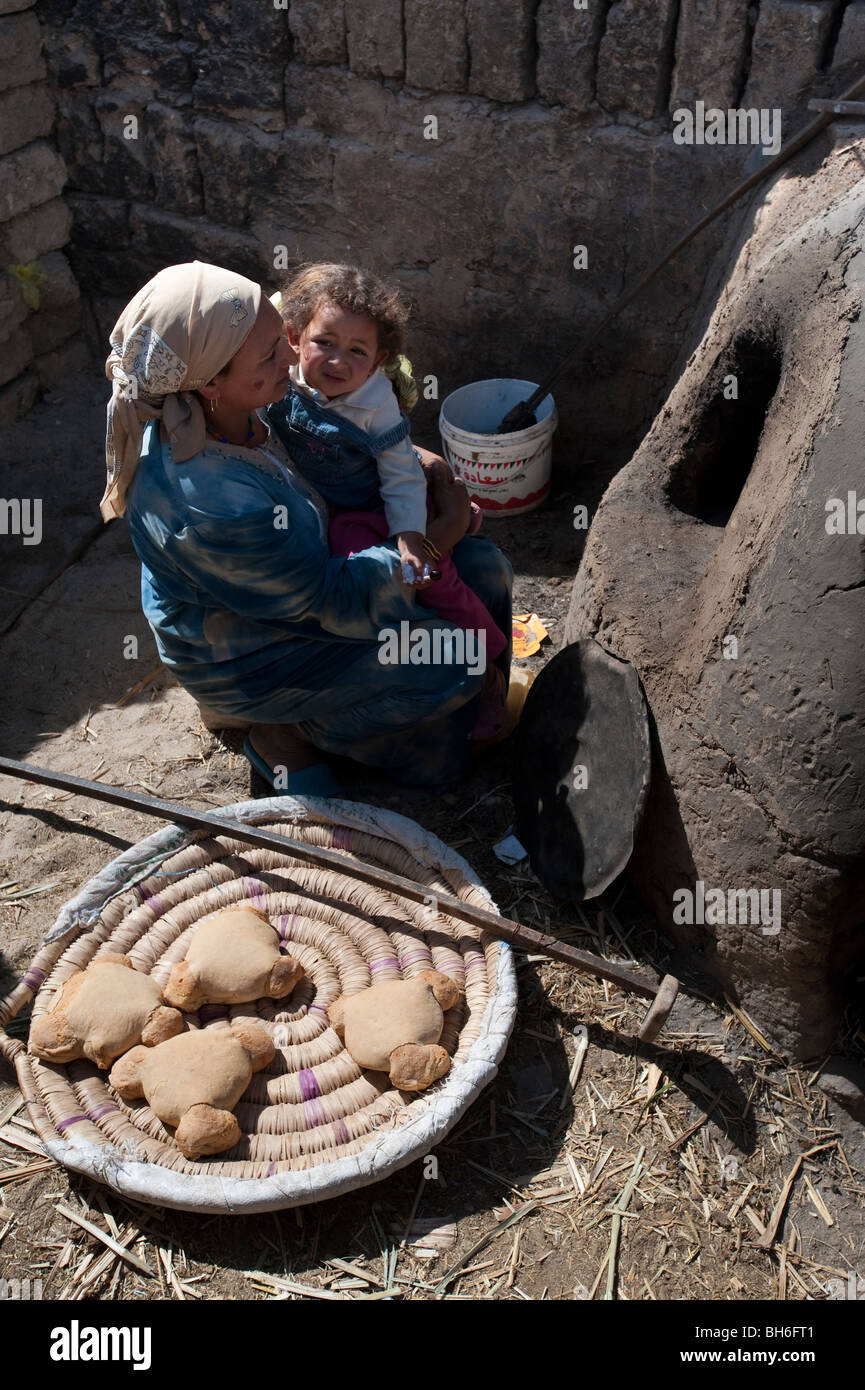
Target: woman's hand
(451, 512)
(434, 467)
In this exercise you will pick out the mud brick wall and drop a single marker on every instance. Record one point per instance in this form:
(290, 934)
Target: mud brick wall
(40, 306)
(464, 147)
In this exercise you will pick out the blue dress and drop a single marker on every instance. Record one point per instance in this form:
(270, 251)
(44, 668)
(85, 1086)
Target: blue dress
(256, 618)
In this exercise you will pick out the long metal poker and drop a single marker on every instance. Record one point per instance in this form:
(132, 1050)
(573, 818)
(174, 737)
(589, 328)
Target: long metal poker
(663, 995)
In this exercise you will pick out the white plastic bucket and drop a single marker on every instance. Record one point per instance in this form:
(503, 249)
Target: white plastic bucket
(503, 472)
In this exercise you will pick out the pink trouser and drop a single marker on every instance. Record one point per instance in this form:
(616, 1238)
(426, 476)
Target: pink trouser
(451, 598)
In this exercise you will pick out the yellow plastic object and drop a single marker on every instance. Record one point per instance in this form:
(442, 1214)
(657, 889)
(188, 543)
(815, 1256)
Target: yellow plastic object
(529, 633)
(520, 684)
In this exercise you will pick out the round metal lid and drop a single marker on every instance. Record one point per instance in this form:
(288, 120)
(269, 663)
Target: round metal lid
(583, 769)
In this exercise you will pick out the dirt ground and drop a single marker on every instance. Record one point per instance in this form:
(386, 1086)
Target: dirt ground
(706, 1123)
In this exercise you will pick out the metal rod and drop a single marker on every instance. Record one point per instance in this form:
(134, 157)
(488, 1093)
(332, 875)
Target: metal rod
(512, 931)
(828, 114)
(838, 108)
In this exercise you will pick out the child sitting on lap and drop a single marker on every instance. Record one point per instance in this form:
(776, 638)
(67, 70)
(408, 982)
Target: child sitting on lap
(342, 425)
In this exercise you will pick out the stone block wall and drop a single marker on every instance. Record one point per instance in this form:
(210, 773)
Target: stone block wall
(40, 306)
(464, 148)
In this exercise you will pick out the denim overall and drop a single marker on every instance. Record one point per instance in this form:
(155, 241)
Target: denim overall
(337, 457)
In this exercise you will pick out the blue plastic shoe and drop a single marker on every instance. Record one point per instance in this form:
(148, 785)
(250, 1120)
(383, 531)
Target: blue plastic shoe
(317, 780)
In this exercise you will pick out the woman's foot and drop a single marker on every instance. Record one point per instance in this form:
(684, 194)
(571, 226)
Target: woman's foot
(493, 707)
(281, 746)
(288, 763)
(214, 721)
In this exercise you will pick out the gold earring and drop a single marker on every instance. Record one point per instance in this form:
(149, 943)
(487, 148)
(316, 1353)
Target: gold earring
(213, 404)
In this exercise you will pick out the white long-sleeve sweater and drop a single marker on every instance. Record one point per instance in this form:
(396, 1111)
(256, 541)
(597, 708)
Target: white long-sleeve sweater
(373, 407)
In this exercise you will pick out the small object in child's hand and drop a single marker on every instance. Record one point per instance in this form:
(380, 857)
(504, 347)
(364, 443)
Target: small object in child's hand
(409, 576)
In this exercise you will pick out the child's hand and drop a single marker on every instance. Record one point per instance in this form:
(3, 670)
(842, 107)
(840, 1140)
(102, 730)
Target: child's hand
(411, 551)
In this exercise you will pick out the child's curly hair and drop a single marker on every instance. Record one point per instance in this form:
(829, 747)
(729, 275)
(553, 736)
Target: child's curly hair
(350, 288)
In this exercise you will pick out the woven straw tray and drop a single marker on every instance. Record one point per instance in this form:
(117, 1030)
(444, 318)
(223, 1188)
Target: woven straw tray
(313, 1124)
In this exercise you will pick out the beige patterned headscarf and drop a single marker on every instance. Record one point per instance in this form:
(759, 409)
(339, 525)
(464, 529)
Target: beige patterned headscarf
(182, 328)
